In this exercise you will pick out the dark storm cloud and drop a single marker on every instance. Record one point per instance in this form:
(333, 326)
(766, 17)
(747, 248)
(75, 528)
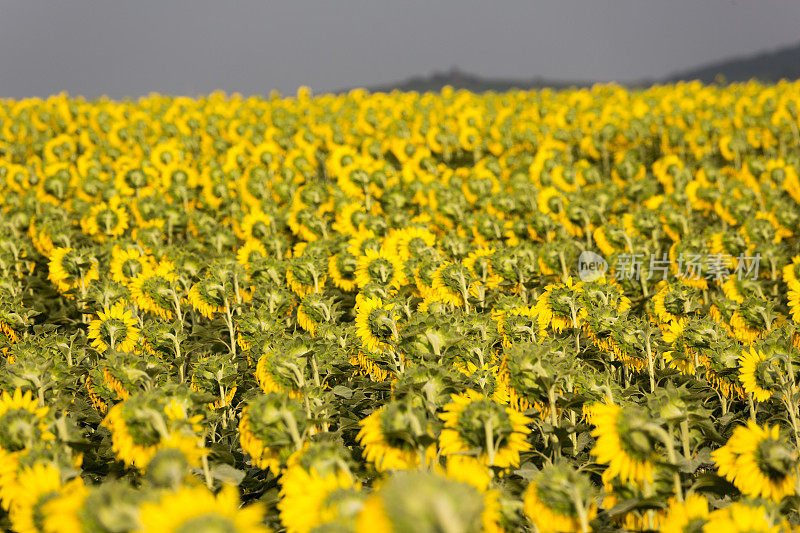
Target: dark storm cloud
(133, 47)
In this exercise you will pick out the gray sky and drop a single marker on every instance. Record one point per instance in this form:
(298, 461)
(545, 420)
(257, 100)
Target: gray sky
(132, 47)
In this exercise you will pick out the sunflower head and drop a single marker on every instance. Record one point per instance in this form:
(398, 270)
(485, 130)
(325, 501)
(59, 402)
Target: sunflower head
(377, 323)
(558, 498)
(759, 373)
(476, 423)
(759, 462)
(381, 268)
(397, 436)
(271, 428)
(23, 422)
(198, 509)
(421, 501)
(624, 441)
(114, 328)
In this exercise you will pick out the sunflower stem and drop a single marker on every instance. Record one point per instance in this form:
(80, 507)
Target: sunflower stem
(581, 510)
(489, 432)
(685, 438)
(229, 323)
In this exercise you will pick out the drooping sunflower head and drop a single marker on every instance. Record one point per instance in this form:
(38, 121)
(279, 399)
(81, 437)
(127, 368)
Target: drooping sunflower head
(623, 443)
(413, 241)
(23, 422)
(560, 306)
(71, 269)
(313, 311)
(397, 436)
(474, 422)
(317, 487)
(377, 323)
(381, 268)
(112, 504)
(151, 421)
(759, 374)
(451, 283)
(114, 328)
(271, 429)
(743, 517)
(154, 290)
(686, 516)
(532, 368)
(127, 264)
(759, 462)
(517, 324)
(176, 456)
(34, 487)
(551, 499)
(306, 274)
(342, 267)
(422, 501)
(106, 220)
(198, 509)
(208, 297)
(673, 302)
(753, 318)
(251, 251)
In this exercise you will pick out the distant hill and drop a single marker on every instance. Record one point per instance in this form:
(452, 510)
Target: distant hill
(463, 80)
(771, 66)
(783, 63)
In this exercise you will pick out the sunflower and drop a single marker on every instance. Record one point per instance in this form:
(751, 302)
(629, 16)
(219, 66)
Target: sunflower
(105, 220)
(517, 323)
(673, 302)
(127, 264)
(451, 284)
(70, 269)
(252, 250)
(342, 268)
(312, 311)
(316, 494)
(362, 241)
(794, 300)
(474, 422)
(62, 513)
(272, 381)
(685, 516)
(305, 277)
(758, 462)
(791, 271)
(479, 264)
(376, 323)
(269, 422)
(379, 267)
(559, 306)
(198, 509)
(114, 328)
(758, 374)
(424, 501)
(23, 420)
(144, 424)
(153, 290)
(393, 435)
(559, 499)
(621, 443)
(35, 486)
(207, 297)
(742, 517)
(411, 241)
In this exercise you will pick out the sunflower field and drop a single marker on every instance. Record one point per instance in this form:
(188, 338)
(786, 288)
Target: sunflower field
(446, 312)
